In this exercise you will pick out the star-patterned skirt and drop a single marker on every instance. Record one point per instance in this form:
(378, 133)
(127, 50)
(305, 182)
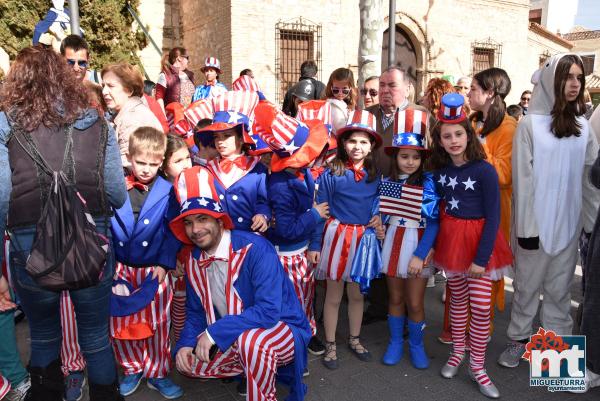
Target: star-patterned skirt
(456, 246)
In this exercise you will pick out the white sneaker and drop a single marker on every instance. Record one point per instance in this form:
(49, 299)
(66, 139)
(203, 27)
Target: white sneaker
(591, 380)
(18, 392)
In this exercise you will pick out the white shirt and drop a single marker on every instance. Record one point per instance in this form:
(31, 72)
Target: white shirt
(217, 274)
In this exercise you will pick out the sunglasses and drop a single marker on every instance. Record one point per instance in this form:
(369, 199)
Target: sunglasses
(372, 92)
(81, 63)
(345, 91)
(461, 87)
(525, 99)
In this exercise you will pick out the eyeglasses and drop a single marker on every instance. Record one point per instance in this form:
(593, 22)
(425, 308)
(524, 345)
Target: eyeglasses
(81, 63)
(461, 87)
(525, 99)
(345, 91)
(372, 92)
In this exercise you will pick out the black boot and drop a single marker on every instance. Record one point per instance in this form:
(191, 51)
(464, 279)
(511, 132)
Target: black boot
(47, 384)
(105, 392)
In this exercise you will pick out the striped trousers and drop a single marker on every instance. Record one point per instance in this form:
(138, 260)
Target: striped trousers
(70, 352)
(178, 307)
(150, 356)
(257, 353)
(302, 276)
(474, 295)
(4, 386)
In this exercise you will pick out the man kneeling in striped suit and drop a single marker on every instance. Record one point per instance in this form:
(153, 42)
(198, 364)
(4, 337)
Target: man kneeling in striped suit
(242, 314)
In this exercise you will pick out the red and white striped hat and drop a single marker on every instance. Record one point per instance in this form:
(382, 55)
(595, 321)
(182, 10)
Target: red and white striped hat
(410, 130)
(195, 191)
(247, 83)
(361, 120)
(451, 110)
(315, 110)
(199, 110)
(177, 121)
(212, 62)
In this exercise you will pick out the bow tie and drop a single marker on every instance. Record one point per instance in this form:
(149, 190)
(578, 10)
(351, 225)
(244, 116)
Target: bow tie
(316, 172)
(227, 164)
(132, 182)
(205, 263)
(358, 173)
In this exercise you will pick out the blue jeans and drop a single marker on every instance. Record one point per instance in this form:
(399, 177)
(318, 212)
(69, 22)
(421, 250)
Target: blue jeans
(42, 308)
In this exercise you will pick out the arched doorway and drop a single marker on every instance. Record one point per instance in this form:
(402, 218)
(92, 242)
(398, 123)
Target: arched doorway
(406, 56)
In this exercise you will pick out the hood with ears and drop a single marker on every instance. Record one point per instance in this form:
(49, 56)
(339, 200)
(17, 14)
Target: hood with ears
(542, 96)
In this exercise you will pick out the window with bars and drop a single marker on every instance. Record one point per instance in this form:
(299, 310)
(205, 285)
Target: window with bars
(588, 63)
(295, 42)
(485, 54)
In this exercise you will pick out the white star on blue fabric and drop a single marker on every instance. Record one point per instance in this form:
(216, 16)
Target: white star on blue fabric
(202, 202)
(217, 207)
(453, 203)
(412, 140)
(234, 117)
(452, 183)
(442, 179)
(469, 184)
(290, 148)
(185, 205)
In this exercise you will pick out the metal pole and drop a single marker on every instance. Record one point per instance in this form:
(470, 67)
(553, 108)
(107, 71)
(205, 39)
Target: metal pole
(392, 34)
(74, 9)
(139, 22)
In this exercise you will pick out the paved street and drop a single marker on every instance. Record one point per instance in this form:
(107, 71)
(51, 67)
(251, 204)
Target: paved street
(358, 381)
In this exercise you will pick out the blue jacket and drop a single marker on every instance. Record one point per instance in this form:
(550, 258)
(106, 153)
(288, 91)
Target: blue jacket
(203, 91)
(296, 221)
(147, 241)
(268, 297)
(114, 182)
(246, 197)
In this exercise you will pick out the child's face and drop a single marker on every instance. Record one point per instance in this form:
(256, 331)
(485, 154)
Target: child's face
(145, 166)
(409, 160)
(340, 89)
(179, 160)
(454, 139)
(210, 74)
(358, 146)
(227, 143)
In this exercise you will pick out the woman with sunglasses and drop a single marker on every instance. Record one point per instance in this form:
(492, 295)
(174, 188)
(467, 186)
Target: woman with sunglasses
(342, 93)
(175, 82)
(370, 91)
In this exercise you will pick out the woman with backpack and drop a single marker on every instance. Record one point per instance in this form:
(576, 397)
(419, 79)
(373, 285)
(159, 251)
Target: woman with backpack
(46, 126)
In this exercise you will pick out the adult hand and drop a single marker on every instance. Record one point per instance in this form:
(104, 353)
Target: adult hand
(203, 347)
(375, 221)
(322, 209)
(183, 359)
(415, 266)
(259, 223)
(313, 257)
(160, 273)
(476, 271)
(5, 301)
(380, 232)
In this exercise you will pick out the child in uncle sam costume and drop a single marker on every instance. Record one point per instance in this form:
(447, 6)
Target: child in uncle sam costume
(241, 180)
(409, 199)
(291, 189)
(212, 87)
(469, 247)
(144, 249)
(350, 186)
(243, 316)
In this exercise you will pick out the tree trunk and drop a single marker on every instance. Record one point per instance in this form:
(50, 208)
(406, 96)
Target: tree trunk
(371, 38)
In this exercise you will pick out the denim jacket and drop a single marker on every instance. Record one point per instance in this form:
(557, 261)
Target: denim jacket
(114, 181)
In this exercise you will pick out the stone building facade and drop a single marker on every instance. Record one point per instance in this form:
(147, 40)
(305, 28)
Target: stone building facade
(434, 38)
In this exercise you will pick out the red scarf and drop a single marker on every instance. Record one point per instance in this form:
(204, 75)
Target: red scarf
(132, 182)
(316, 172)
(227, 164)
(358, 173)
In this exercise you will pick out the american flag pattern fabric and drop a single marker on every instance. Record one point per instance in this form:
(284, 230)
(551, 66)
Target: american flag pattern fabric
(241, 102)
(315, 110)
(410, 121)
(212, 62)
(339, 246)
(401, 200)
(70, 352)
(178, 307)
(398, 248)
(193, 184)
(361, 119)
(245, 83)
(199, 110)
(4, 386)
(150, 356)
(302, 275)
(276, 344)
(282, 133)
(451, 109)
(177, 121)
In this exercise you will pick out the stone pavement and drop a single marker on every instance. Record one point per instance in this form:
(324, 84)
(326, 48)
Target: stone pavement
(359, 381)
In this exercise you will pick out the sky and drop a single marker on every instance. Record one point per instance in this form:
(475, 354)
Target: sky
(588, 14)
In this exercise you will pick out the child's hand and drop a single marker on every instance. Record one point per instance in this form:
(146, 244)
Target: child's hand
(476, 271)
(5, 302)
(322, 209)
(415, 266)
(259, 223)
(313, 257)
(380, 232)
(375, 221)
(429, 257)
(160, 273)
(179, 270)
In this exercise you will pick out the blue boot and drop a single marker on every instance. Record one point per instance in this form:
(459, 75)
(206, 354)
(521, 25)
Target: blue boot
(395, 348)
(418, 357)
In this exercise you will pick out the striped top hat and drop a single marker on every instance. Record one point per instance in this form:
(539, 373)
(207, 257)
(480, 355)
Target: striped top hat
(195, 191)
(212, 62)
(410, 130)
(233, 109)
(319, 110)
(294, 144)
(177, 121)
(361, 120)
(199, 110)
(247, 83)
(451, 110)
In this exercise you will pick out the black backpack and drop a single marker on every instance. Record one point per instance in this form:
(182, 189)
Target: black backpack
(68, 253)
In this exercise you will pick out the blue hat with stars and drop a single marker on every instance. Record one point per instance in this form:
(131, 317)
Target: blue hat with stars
(410, 128)
(451, 110)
